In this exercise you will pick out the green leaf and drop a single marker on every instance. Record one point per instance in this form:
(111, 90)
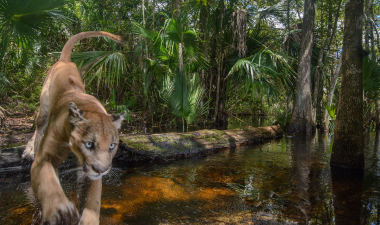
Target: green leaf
(330, 110)
(22, 20)
(371, 78)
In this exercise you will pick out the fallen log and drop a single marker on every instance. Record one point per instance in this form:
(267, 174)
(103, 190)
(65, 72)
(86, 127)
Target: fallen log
(136, 148)
(157, 147)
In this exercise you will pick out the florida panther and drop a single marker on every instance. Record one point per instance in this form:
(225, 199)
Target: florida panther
(71, 120)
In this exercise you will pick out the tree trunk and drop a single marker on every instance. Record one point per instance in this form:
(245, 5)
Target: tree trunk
(144, 128)
(143, 14)
(319, 70)
(325, 119)
(348, 136)
(220, 60)
(176, 8)
(288, 98)
(334, 79)
(212, 73)
(377, 32)
(222, 117)
(302, 120)
(333, 36)
(154, 19)
(367, 24)
(377, 108)
(373, 49)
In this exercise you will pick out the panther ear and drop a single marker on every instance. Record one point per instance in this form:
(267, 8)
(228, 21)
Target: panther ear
(118, 118)
(75, 114)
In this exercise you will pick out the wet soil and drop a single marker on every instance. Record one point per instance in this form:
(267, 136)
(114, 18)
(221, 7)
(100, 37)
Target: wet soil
(16, 130)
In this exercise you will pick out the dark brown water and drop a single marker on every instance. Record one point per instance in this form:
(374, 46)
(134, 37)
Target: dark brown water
(286, 181)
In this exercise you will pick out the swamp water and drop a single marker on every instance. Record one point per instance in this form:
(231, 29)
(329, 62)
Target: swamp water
(286, 181)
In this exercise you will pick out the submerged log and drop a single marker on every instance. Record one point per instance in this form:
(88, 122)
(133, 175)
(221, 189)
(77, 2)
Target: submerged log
(135, 148)
(156, 147)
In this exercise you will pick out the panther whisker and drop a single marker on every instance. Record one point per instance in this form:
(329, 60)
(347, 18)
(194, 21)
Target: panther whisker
(112, 173)
(117, 169)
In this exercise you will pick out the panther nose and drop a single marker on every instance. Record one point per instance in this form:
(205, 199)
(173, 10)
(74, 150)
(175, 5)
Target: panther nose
(98, 170)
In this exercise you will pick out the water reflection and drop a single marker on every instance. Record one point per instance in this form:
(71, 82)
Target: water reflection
(302, 148)
(284, 181)
(347, 190)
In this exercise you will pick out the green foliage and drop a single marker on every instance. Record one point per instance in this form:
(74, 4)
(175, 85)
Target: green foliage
(330, 110)
(121, 108)
(142, 74)
(184, 96)
(165, 44)
(106, 67)
(267, 71)
(21, 21)
(371, 78)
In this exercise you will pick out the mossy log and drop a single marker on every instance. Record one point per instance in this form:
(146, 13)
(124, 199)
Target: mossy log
(155, 147)
(181, 145)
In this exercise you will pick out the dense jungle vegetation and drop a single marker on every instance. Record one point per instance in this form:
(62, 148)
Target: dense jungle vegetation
(192, 61)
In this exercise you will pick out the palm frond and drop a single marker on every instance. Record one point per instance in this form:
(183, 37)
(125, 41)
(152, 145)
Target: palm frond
(267, 72)
(330, 110)
(184, 96)
(108, 66)
(278, 11)
(179, 98)
(371, 78)
(85, 58)
(22, 20)
(141, 31)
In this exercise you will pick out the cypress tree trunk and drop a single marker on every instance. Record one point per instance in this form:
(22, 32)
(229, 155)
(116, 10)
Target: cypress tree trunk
(367, 24)
(221, 117)
(325, 121)
(348, 137)
(302, 119)
(330, 95)
(318, 74)
(219, 63)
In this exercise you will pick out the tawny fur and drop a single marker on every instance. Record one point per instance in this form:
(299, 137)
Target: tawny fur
(68, 119)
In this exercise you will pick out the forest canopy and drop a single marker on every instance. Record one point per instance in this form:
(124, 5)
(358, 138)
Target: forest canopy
(186, 62)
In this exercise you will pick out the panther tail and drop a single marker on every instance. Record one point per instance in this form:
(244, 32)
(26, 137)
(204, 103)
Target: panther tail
(66, 51)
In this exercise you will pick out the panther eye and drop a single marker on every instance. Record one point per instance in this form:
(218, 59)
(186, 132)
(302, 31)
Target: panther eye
(89, 144)
(112, 146)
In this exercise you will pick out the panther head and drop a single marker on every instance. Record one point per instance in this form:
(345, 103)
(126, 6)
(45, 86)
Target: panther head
(94, 139)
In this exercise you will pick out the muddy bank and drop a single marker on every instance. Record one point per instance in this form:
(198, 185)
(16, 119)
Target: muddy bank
(158, 147)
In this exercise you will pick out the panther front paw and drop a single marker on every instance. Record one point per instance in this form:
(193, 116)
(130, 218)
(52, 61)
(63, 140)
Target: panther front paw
(89, 217)
(63, 213)
(28, 154)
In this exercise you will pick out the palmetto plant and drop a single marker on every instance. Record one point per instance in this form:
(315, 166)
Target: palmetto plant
(21, 24)
(330, 110)
(371, 84)
(183, 93)
(371, 78)
(22, 21)
(105, 67)
(165, 43)
(184, 97)
(267, 71)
